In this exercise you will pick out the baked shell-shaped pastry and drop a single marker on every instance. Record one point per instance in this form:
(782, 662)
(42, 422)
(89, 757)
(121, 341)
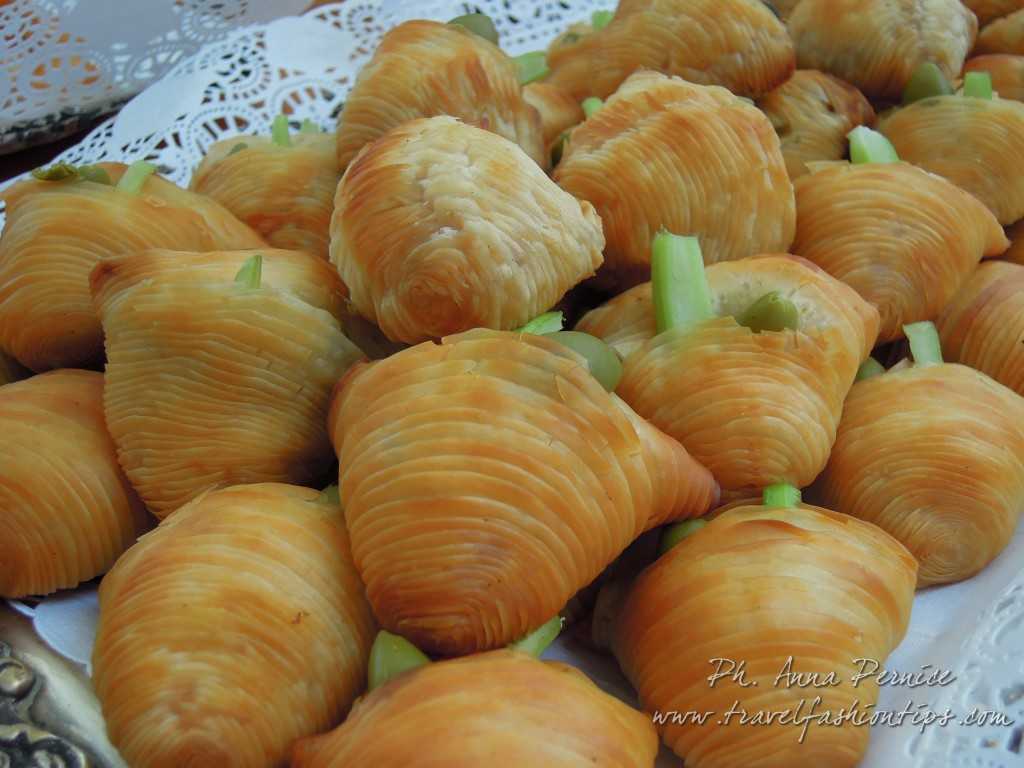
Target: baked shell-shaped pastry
(1006, 71)
(877, 44)
(488, 478)
(754, 408)
(978, 144)
(286, 193)
(424, 69)
(440, 227)
(68, 511)
(663, 153)
(558, 110)
(983, 327)
(812, 113)
(55, 233)
(210, 383)
(737, 44)
(503, 709)
(935, 456)
(904, 238)
(234, 628)
(989, 10)
(799, 589)
(1004, 35)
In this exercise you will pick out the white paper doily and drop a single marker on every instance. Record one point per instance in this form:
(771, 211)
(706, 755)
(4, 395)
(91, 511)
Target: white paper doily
(304, 66)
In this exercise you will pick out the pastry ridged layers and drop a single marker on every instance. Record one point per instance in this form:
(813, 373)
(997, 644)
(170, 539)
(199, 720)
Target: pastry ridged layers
(1006, 71)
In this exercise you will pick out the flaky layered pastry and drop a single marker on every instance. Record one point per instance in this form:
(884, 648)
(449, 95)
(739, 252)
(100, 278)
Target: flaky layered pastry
(988, 10)
(68, 511)
(503, 709)
(977, 144)
(439, 227)
(423, 69)
(558, 110)
(877, 44)
(488, 478)
(286, 193)
(211, 383)
(55, 233)
(948, 444)
(787, 591)
(1003, 35)
(812, 112)
(737, 44)
(663, 153)
(904, 238)
(236, 627)
(755, 408)
(1005, 70)
(983, 327)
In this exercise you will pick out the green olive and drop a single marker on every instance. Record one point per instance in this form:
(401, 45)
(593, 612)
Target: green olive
(603, 361)
(771, 312)
(479, 24)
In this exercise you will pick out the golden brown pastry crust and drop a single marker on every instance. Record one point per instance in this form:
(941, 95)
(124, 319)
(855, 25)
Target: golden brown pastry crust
(488, 478)
(738, 44)
(1004, 35)
(68, 511)
(812, 112)
(284, 193)
(439, 227)
(760, 585)
(988, 10)
(558, 110)
(905, 239)
(1006, 71)
(486, 709)
(877, 44)
(983, 327)
(212, 384)
(755, 409)
(57, 231)
(236, 627)
(935, 456)
(663, 153)
(423, 69)
(977, 144)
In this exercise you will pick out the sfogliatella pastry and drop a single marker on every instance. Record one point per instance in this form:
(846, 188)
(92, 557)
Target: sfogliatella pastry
(1003, 35)
(281, 186)
(62, 222)
(558, 110)
(503, 709)
(219, 367)
(737, 44)
(792, 592)
(236, 627)
(68, 511)
(440, 227)
(1006, 71)
(949, 443)
(904, 238)
(877, 44)
(663, 153)
(812, 112)
(424, 69)
(989, 10)
(488, 478)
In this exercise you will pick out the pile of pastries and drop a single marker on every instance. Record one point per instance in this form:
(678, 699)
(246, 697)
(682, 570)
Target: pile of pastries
(356, 424)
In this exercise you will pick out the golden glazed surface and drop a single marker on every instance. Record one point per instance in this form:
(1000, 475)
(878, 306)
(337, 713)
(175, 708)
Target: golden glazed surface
(1006, 71)
(1004, 35)
(977, 144)
(284, 193)
(905, 239)
(558, 110)
(502, 709)
(488, 478)
(423, 69)
(67, 509)
(236, 627)
(212, 384)
(755, 408)
(983, 327)
(812, 112)
(440, 227)
(55, 234)
(737, 44)
(665, 153)
(877, 44)
(762, 585)
(935, 456)
(988, 10)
